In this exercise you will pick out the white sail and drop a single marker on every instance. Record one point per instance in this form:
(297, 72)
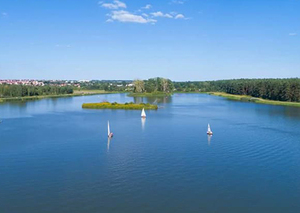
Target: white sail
(108, 129)
(143, 113)
(208, 128)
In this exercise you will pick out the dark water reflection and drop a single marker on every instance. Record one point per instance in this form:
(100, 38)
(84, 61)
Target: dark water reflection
(56, 157)
(153, 100)
(291, 112)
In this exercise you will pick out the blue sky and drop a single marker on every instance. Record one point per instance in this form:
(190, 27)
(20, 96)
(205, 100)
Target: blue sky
(129, 39)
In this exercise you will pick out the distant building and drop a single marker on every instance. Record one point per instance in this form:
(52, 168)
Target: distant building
(84, 81)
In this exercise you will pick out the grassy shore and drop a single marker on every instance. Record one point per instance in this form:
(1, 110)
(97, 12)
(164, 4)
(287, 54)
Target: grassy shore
(90, 92)
(254, 100)
(153, 94)
(127, 106)
(75, 93)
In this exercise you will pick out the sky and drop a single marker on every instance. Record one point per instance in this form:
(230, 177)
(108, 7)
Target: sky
(139, 39)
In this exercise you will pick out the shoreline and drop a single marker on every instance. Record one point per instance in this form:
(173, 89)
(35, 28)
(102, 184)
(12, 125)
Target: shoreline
(251, 99)
(75, 94)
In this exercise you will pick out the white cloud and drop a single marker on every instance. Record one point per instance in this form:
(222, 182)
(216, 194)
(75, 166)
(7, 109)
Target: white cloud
(160, 14)
(118, 13)
(168, 16)
(292, 34)
(113, 6)
(157, 14)
(125, 16)
(177, 2)
(4, 14)
(147, 7)
(179, 16)
(109, 20)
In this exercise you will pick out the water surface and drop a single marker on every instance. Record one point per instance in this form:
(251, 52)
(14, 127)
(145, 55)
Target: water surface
(55, 156)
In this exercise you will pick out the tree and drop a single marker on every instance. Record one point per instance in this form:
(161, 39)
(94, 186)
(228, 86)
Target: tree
(139, 86)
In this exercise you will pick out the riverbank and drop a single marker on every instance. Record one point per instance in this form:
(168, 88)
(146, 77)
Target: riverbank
(75, 93)
(254, 100)
(154, 94)
(126, 106)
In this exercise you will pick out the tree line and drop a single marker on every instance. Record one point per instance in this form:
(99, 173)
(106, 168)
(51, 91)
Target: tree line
(153, 85)
(272, 89)
(8, 91)
(107, 86)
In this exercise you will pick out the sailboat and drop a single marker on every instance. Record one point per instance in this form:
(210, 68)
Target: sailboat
(110, 134)
(209, 132)
(143, 115)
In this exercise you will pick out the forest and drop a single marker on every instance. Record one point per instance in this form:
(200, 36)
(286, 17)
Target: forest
(271, 89)
(110, 86)
(8, 91)
(153, 85)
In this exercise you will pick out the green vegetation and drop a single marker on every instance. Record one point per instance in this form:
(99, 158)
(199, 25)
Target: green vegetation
(152, 87)
(10, 91)
(270, 89)
(254, 90)
(75, 93)
(91, 92)
(254, 100)
(127, 106)
(110, 86)
(27, 98)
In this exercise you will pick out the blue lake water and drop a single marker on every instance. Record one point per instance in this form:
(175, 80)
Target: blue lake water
(56, 157)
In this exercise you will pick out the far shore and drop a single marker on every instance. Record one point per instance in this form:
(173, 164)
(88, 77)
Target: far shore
(76, 93)
(254, 100)
(244, 98)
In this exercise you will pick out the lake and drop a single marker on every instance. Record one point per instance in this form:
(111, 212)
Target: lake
(56, 157)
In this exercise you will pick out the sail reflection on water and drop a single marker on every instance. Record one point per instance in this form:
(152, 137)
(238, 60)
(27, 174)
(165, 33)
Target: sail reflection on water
(108, 143)
(209, 139)
(143, 120)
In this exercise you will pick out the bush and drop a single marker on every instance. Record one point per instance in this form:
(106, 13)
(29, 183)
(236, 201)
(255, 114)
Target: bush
(129, 106)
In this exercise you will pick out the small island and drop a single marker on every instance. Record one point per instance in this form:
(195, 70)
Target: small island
(126, 106)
